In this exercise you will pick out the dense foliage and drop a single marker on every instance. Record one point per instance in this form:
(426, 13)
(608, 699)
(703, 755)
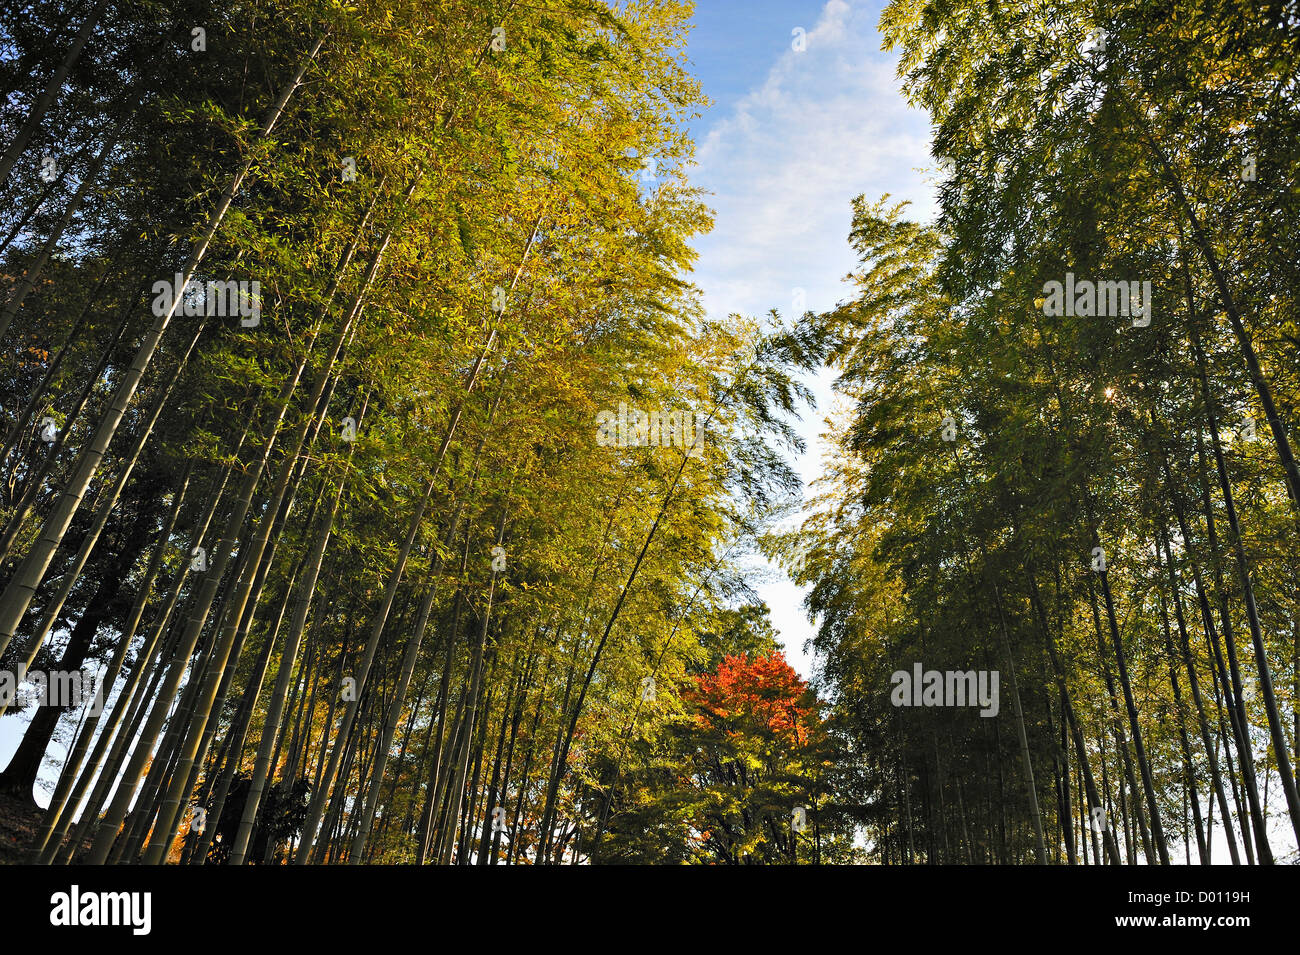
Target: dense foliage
(365, 438)
(405, 518)
(1099, 502)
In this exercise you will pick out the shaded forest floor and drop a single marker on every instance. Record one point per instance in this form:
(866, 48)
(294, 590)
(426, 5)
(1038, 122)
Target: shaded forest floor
(20, 820)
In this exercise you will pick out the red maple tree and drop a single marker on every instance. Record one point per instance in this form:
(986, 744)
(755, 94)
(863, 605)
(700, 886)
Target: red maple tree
(764, 692)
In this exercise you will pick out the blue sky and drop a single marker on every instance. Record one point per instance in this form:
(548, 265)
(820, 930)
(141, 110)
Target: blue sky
(790, 139)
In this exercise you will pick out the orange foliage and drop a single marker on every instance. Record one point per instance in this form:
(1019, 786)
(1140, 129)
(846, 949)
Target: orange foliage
(764, 692)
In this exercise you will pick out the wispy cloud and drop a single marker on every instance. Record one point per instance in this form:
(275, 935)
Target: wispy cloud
(826, 124)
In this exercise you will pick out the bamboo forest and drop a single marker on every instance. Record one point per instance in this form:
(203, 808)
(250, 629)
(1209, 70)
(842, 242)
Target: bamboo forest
(599, 432)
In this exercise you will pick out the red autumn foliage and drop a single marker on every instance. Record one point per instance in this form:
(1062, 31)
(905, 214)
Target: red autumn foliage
(764, 692)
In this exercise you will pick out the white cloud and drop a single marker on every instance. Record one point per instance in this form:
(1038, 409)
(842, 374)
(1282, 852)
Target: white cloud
(825, 125)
